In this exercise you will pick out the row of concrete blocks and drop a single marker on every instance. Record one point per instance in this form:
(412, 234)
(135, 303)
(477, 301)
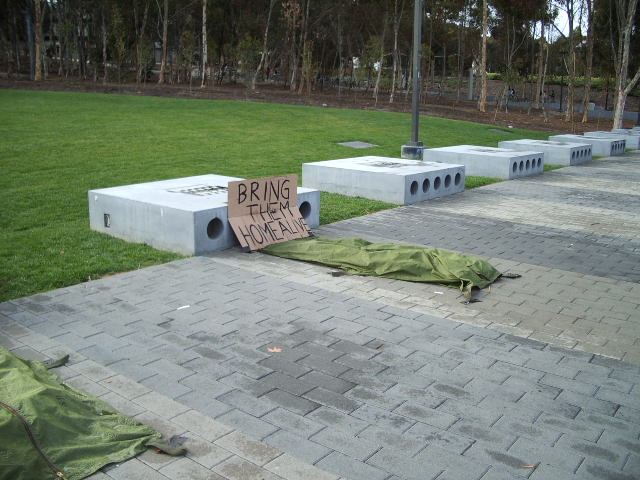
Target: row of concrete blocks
(189, 215)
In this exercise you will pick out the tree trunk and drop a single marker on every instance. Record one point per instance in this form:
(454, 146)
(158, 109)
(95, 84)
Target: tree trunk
(589, 69)
(622, 86)
(306, 54)
(38, 31)
(397, 17)
(139, 39)
(265, 40)
(104, 47)
(571, 68)
(385, 20)
(539, 95)
(165, 49)
(483, 60)
(204, 43)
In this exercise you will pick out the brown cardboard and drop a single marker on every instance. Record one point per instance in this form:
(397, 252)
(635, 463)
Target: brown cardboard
(263, 211)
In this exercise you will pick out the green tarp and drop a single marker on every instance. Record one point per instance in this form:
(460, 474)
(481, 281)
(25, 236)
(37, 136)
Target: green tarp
(78, 434)
(391, 260)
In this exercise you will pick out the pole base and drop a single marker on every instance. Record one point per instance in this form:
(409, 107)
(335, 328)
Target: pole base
(412, 152)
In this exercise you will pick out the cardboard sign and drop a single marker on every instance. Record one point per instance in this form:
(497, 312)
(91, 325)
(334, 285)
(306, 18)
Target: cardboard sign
(263, 211)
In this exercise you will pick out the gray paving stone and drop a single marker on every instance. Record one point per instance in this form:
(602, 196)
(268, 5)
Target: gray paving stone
(341, 441)
(294, 403)
(347, 467)
(298, 447)
(405, 444)
(455, 466)
(248, 448)
(277, 364)
(534, 452)
(256, 407)
(247, 423)
(201, 424)
(238, 469)
(292, 469)
(204, 403)
(589, 403)
(601, 454)
(292, 422)
(165, 386)
(188, 469)
(315, 378)
(383, 418)
(325, 366)
(474, 432)
(332, 399)
(426, 415)
(404, 466)
(339, 420)
(134, 469)
(593, 471)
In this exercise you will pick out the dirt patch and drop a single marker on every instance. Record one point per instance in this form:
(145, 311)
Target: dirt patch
(444, 107)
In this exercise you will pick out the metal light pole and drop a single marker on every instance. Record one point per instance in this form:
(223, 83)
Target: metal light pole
(414, 148)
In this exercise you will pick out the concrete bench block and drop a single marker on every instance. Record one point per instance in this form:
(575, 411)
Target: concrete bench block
(555, 153)
(490, 161)
(184, 215)
(392, 180)
(599, 145)
(632, 140)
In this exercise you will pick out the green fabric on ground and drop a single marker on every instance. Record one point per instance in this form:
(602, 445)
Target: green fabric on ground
(391, 260)
(78, 433)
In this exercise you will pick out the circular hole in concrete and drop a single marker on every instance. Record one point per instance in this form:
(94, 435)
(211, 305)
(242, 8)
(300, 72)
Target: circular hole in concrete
(521, 165)
(528, 164)
(457, 179)
(215, 228)
(305, 209)
(426, 185)
(515, 167)
(436, 183)
(413, 188)
(447, 181)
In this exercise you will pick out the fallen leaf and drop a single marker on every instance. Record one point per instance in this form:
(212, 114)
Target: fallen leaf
(528, 466)
(274, 349)
(62, 251)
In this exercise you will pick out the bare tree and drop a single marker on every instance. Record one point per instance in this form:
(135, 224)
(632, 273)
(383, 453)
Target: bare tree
(204, 43)
(164, 15)
(38, 32)
(568, 6)
(385, 21)
(103, 31)
(141, 25)
(542, 50)
(398, 9)
(626, 10)
(589, 68)
(265, 40)
(483, 59)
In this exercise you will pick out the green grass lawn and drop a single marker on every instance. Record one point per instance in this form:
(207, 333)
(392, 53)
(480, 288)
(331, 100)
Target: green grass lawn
(54, 147)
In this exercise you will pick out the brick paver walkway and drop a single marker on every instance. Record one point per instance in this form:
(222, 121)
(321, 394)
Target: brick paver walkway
(274, 369)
